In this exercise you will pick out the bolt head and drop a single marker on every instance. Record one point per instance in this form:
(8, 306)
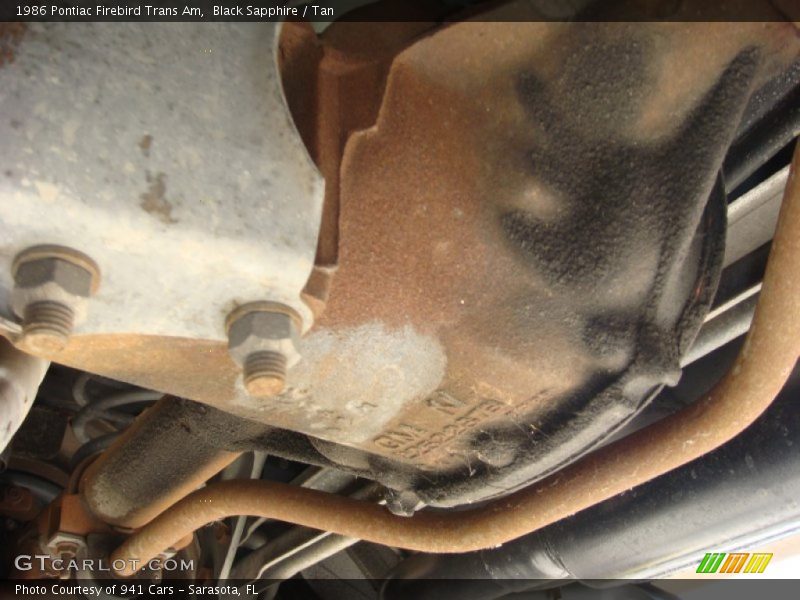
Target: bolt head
(69, 277)
(263, 331)
(497, 451)
(403, 503)
(262, 325)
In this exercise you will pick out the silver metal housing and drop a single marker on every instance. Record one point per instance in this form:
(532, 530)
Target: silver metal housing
(165, 152)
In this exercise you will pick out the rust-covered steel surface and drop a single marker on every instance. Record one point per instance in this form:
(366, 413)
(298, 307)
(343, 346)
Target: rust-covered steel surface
(767, 358)
(500, 235)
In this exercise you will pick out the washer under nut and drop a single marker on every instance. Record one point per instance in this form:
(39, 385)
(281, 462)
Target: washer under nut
(262, 339)
(52, 285)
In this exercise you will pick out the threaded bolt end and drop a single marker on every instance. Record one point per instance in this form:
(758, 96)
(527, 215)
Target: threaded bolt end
(46, 326)
(264, 373)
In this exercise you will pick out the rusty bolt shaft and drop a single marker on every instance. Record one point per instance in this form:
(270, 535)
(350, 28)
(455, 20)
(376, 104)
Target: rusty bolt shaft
(46, 326)
(265, 373)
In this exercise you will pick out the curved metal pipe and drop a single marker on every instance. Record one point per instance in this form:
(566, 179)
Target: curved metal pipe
(740, 496)
(762, 367)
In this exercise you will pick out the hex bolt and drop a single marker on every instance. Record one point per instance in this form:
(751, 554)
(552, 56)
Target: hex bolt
(262, 339)
(496, 451)
(51, 291)
(66, 551)
(64, 546)
(403, 503)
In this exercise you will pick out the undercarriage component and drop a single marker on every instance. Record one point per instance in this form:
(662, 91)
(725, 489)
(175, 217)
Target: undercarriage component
(532, 237)
(126, 485)
(548, 346)
(767, 358)
(170, 198)
(492, 317)
(740, 496)
(20, 376)
(262, 339)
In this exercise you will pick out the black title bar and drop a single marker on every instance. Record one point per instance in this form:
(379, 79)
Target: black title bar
(393, 10)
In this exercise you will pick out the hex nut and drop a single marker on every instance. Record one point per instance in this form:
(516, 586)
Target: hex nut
(497, 451)
(66, 547)
(263, 331)
(263, 340)
(50, 296)
(403, 503)
(69, 278)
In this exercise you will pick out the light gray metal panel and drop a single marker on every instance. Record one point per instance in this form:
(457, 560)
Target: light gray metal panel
(20, 376)
(165, 152)
(752, 218)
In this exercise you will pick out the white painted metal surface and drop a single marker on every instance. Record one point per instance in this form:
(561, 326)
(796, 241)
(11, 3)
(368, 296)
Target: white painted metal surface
(165, 152)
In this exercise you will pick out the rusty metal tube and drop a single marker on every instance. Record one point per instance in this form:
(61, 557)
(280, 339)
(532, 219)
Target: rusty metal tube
(762, 367)
(125, 486)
